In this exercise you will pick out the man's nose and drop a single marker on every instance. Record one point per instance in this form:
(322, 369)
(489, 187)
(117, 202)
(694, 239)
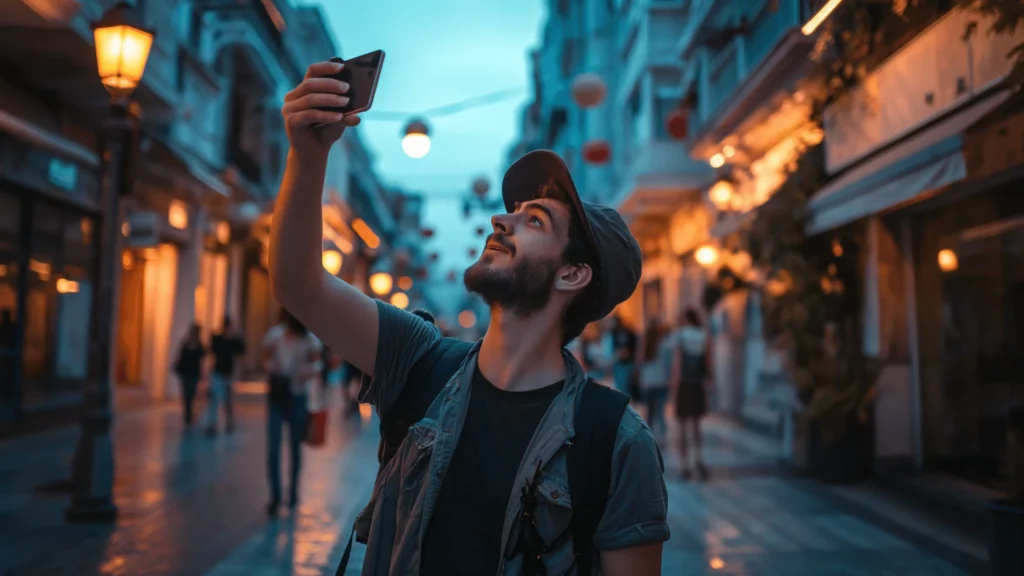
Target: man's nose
(502, 223)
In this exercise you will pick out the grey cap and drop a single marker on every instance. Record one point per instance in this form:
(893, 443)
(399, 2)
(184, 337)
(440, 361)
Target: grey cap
(617, 255)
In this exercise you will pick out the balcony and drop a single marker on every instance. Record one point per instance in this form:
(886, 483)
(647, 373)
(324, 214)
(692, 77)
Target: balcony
(646, 36)
(658, 178)
(744, 62)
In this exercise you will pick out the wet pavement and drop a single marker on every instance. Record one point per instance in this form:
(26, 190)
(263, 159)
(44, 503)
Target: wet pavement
(194, 505)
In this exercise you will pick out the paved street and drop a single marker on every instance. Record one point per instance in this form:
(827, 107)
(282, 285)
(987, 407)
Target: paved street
(192, 505)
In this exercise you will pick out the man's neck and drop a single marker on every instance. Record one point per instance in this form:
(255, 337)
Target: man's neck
(521, 354)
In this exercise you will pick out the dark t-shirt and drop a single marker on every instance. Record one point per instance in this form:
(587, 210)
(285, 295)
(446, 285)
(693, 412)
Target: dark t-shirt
(225, 349)
(190, 360)
(624, 343)
(464, 536)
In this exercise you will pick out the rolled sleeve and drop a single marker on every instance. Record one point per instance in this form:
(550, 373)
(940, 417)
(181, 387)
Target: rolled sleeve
(402, 338)
(637, 509)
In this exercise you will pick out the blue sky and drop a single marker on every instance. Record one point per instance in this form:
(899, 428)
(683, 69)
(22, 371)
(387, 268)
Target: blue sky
(439, 52)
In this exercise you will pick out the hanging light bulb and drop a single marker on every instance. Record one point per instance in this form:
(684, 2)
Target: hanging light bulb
(416, 142)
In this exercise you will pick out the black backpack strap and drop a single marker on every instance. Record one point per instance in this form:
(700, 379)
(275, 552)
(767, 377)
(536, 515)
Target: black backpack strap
(590, 465)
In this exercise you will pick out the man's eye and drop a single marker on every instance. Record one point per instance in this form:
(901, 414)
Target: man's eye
(535, 220)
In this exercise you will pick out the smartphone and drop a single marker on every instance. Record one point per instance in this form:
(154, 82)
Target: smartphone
(361, 73)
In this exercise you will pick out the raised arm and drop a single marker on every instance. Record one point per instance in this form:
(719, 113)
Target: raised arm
(339, 314)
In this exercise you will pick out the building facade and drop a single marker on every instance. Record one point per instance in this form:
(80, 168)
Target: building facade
(207, 164)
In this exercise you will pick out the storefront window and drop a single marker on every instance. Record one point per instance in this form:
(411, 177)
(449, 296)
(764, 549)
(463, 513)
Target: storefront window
(58, 304)
(10, 232)
(969, 280)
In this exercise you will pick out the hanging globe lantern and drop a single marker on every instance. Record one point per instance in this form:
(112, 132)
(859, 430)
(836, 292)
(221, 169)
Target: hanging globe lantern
(588, 90)
(434, 256)
(416, 142)
(451, 275)
(678, 123)
(597, 152)
(472, 252)
(422, 272)
(480, 230)
(427, 232)
(481, 186)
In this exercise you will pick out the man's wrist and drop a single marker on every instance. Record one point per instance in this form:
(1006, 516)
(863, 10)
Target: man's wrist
(308, 160)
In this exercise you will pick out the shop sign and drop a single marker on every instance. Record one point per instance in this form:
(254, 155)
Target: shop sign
(144, 229)
(63, 174)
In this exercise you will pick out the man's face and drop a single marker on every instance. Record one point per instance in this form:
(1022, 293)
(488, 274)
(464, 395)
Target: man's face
(522, 257)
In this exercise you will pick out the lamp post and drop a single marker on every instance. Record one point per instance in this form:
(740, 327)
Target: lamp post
(122, 48)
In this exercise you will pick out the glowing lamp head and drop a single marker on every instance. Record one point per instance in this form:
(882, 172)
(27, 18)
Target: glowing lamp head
(332, 261)
(948, 261)
(122, 49)
(381, 283)
(400, 300)
(416, 142)
(706, 255)
(721, 194)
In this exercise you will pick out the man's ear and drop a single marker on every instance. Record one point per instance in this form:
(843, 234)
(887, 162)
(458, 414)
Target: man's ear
(573, 277)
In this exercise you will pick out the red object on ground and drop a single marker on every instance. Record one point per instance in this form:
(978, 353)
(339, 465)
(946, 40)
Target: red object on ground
(316, 434)
(597, 152)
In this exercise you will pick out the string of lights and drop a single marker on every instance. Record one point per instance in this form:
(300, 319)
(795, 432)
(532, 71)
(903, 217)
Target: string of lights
(478, 101)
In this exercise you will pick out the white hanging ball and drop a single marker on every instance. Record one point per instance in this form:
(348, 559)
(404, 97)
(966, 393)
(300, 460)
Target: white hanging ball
(588, 90)
(481, 186)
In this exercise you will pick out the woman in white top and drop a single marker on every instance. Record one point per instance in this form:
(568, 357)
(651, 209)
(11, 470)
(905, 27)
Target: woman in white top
(690, 373)
(291, 357)
(656, 347)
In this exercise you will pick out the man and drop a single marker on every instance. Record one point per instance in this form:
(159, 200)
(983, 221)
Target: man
(226, 347)
(624, 344)
(450, 502)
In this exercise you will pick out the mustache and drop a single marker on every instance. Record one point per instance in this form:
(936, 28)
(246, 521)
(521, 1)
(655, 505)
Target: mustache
(503, 241)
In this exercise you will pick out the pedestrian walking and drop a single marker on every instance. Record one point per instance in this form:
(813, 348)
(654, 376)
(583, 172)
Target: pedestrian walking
(656, 344)
(292, 361)
(522, 465)
(189, 369)
(692, 359)
(624, 344)
(226, 348)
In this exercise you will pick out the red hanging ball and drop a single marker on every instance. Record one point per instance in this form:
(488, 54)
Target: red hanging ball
(427, 232)
(481, 186)
(678, 123)
(451, 275)
(472, 252)
(422, 273)
(597, 152)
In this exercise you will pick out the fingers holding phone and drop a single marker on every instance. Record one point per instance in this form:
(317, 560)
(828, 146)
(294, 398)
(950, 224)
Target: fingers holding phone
(311, 112)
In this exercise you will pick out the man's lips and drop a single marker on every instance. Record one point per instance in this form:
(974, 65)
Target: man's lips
(497, 247)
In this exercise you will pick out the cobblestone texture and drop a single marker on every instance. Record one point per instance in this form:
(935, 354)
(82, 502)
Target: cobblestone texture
(193, 505)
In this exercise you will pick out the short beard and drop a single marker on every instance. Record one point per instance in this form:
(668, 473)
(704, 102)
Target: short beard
(521, 290)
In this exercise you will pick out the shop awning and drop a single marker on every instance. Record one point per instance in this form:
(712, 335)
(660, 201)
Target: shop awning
(900, 174)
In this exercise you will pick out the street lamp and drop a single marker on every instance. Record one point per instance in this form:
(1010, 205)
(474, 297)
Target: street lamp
(416, 142)
(122, 48)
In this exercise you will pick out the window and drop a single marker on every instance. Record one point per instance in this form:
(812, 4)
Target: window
(665, 106)
(58, 303)
(10, 233)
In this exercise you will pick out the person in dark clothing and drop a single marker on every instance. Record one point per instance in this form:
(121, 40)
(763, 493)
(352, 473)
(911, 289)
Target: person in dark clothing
(624, 343)
(691, 367)
(189, 368)
(226, 347)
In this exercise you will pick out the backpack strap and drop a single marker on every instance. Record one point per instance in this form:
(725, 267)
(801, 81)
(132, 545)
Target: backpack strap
(590, 465)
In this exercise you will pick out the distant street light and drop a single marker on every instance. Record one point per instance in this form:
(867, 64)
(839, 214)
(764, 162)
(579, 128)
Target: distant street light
(122, 49)
(706, 255)
(416, 142)
(381, 283)
(332, 261)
